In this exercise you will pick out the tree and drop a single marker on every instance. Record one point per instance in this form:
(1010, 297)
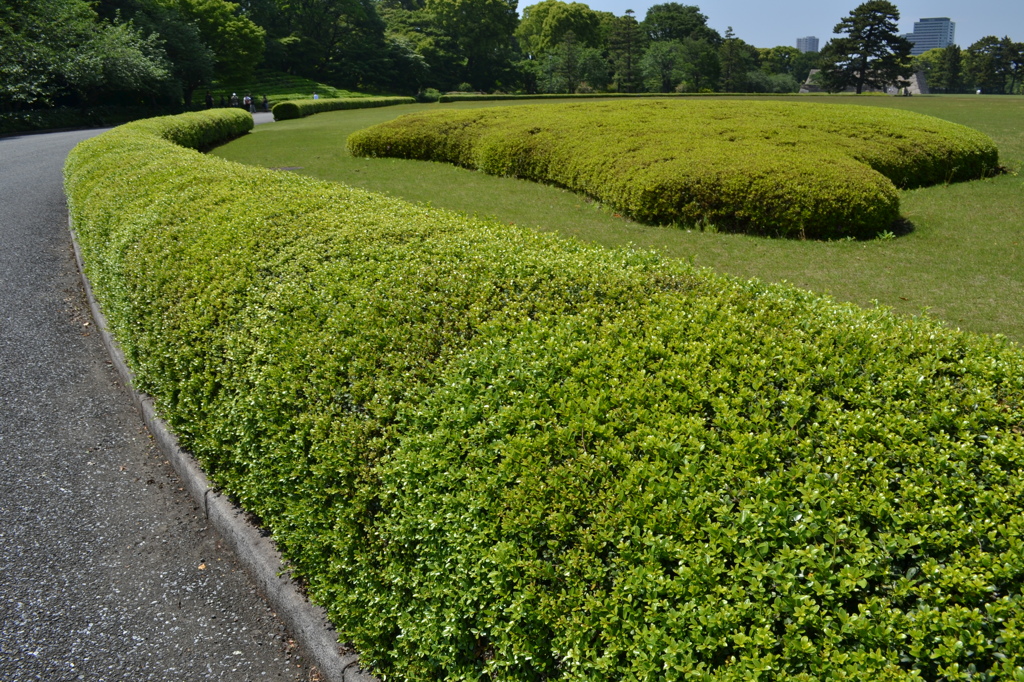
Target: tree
(236, 42)
(949, 76)
(482, 33)
(986, 68)
(662, 66)
(927, 62)
(61, 51)
(116, 59)
(339, 41)
(736, 58)
(190, 59)
(995, 66)
(701, 67)
(872, 55)
(759, 81)
(546, 24)
(780, 59)
(673, 21)
(570, 65)
(626, 46)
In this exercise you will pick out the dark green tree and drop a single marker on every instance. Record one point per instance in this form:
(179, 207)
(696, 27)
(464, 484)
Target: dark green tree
(191, 60)
(339, 41)
(414, 36)
(626, 46)
(701, 66)
(570, 66)
(994, 65)
(736, 58)
(805, 62)
(481, 31)
(986, 67)
(236, 42)
(949, 76)
(759, 81)
(116, 60)
(63, 52)
(872, 55)
(674, 21)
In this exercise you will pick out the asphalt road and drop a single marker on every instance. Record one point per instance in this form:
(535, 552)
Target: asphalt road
(107, 568)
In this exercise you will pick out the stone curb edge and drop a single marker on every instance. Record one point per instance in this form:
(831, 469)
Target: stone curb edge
(252, 545)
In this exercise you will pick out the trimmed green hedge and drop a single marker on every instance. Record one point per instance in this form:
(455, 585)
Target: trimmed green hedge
(775, 168)
(494, 454)
(299, 108)
(471, 97)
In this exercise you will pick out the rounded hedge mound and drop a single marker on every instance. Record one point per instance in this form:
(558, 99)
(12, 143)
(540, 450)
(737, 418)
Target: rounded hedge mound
(495, 454)
(773, 168)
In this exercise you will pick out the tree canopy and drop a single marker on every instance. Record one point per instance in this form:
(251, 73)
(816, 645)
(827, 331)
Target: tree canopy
(545, 25)
(61, 51)
(85, 52)
(872, 55)
(673, 21)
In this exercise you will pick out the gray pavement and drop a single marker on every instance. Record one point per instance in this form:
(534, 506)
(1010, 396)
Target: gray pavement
(108, 571)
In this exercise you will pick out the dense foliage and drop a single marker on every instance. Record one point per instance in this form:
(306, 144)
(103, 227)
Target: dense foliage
(162, 53)
(777, 168)
(871, 54)
(496, 454)
(307, 107)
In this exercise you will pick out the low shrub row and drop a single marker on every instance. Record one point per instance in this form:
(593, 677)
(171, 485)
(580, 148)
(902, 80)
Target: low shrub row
(776, 168)
(299, 108)
(479, 97)
(495, 454)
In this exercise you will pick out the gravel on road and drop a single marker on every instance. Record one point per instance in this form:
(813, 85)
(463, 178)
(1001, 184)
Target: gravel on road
(109, 571)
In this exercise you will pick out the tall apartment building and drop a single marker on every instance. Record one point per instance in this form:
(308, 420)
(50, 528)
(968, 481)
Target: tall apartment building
(931, 33)
(808, 44)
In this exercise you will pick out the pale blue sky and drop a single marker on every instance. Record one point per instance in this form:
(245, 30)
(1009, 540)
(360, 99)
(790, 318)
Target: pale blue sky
(767, 24)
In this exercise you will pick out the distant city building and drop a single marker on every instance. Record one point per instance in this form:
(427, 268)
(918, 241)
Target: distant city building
(931, 33)
(808, 44)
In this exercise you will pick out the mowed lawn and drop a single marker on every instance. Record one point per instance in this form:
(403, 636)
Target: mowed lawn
(963, 261)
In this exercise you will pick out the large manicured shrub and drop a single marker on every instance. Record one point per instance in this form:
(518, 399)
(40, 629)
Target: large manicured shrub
(299, 108)
(494, 454)
(776, 168)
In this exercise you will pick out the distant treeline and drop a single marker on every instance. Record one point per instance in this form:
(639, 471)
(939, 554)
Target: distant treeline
(83, 54)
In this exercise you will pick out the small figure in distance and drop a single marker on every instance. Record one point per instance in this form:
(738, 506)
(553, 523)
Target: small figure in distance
(315, 96)
(252, 104)
(234, 99)
(266, 104)
(209, 100)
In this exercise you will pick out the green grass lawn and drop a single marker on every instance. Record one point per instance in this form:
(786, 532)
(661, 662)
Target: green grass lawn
(963, 262)
(277, 86)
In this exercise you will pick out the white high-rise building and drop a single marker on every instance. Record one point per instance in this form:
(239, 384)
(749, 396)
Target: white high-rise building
(808, 44)
(931, 33)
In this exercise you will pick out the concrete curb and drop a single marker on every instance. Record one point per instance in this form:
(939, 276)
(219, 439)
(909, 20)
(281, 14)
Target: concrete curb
(253, 547)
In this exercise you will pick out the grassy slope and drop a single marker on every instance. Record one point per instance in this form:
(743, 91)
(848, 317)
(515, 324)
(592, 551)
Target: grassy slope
(964, 261)
(277, 86)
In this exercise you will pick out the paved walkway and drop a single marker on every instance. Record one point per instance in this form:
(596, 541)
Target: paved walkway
(107, 569)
